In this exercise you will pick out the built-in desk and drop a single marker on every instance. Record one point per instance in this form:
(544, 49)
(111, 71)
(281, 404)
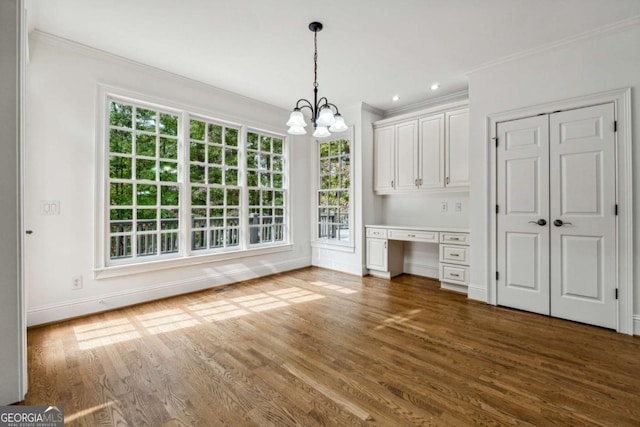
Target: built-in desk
(385, 251)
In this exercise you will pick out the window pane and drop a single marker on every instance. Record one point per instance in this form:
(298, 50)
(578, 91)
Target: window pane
(169, 243)
(197, 174)
(231, 177)
(197, 152)
(277, 180)
(215, 133)
(254, 197)
(169, 148)
(120, 247)
(333, 195)
(198, 218)
(168, 171)
(169, 219)
(252, 141)
(231, 137)
(145, 145)
(169, 196)
(198, 196)
(265, 144)
(120, 141)
(278, 198)
(215, 175)
(265, 161)
(146, 169)
(215, 155)
(252, 160)
(233, 197)
(147, 220)
(252, 179)
(120, 167)
(197, 130)
(216, 197)
(231, 157)
(121, 194)
(145, 119)
(265, 179)
(121, 220)
(147, 195)
(277, 146)
(277, 163)
(267, 198)
(168, 124)
(120, 114)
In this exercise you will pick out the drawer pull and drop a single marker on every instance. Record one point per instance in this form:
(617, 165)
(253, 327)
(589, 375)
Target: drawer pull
(455, 275)
(454, 238)
(411, 235)
(454, 254)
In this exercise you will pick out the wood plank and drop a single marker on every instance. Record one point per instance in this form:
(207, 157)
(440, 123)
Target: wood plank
(317, 347)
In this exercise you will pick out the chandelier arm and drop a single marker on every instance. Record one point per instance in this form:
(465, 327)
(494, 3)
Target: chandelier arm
(308, 105)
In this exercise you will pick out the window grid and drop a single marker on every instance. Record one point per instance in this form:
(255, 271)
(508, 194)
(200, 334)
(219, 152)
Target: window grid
(215, 186)
(266, 190)
(334, 190)
(143, 182)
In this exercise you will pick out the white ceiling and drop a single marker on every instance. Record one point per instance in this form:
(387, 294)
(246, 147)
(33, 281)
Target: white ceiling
(368, 51)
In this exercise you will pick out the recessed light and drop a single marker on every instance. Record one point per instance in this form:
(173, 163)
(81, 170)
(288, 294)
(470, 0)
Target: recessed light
(435, 86)
(395, 98)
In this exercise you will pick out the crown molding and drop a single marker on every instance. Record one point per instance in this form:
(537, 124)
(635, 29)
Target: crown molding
(594, 33)
(462, 95)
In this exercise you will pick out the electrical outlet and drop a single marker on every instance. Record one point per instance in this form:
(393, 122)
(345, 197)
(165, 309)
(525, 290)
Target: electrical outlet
(458, 206)
(50, 207)
(76, 283)
(444, 206)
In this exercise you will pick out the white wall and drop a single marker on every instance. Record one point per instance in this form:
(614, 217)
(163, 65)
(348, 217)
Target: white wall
(12, 331)
(608, 61)
(61, 129)
(352, 261)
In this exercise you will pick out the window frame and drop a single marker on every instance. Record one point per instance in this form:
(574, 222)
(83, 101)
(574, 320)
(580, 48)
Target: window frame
(104, 267)
(323, 242)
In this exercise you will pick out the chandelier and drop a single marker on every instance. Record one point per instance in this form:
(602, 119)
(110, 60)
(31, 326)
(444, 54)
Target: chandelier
(323, 117)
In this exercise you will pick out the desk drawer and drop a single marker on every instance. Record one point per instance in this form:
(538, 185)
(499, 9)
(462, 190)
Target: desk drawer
(454, 254)
(380, 233)
(414, 236)
(458, 274)
(455, 238)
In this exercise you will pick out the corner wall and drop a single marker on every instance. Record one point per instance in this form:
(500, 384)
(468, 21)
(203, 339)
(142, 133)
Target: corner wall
(62, 98)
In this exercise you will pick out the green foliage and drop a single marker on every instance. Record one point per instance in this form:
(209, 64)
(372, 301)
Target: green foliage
(197, 152)
(146, 145)
(168, 148)
(197, 130)
(215, 133)
(120, 115)
(147, 195)
(231, 137)
(196, 174)
(146, 119)
(198, 196)
(215, 175)
(231, 177)
(120, 167)
(168, 124)
(169, 195)
(252, 141)
(146, 169)
(120, 141)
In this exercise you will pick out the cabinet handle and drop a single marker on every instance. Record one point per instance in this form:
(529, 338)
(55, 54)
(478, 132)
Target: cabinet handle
(420, 181)
(455, 274)
(391, 184)
(411, 235)
(454, 254)
(385, 244)
(447, 180)
(416, 182)
(453, 238)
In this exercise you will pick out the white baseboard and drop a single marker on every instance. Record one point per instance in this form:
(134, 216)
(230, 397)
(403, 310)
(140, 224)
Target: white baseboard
(55, 312)
(477, 293)
(343, 267)
(636, 324)
(454, 287)
(421, 270)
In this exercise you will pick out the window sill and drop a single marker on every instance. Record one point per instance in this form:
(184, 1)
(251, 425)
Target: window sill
(152, 266)
(339, 247)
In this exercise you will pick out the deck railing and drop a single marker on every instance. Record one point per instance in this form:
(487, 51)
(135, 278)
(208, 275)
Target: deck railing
(270, 229)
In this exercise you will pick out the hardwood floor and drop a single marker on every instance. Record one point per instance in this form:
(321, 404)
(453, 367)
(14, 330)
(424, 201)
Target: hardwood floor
(315, 347)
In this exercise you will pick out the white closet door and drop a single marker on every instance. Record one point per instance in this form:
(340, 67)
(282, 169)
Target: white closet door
(583, 226)
(523, 221)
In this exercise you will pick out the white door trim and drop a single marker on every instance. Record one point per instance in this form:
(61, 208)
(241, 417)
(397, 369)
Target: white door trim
(624, 197)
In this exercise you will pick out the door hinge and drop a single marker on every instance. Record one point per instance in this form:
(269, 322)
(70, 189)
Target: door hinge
(497, 275)
(616, 293)
(616, 209)
(497, 209)
(496, 140)
(615, 126)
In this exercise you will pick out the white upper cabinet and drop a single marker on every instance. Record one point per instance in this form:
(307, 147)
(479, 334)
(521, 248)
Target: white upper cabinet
(406, 155)
(457, 155)
(422, 152)
(383, 179)
(432, 173)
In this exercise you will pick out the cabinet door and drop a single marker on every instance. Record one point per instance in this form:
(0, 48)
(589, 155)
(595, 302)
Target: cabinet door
(377, 254)
(383, 142)
(431, 152)
(457, 148)
(407, 155)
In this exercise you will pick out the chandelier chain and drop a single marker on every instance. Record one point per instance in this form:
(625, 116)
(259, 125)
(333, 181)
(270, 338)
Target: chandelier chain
(315, 59)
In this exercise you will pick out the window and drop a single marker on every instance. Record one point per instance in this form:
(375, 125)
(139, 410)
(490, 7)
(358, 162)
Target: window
(334, 191)
(144, 191)
(178, 185)
(215, 187)
(265, 182)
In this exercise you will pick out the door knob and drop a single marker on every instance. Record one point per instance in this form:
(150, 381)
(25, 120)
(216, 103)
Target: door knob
(541, 222)
(560, 223)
